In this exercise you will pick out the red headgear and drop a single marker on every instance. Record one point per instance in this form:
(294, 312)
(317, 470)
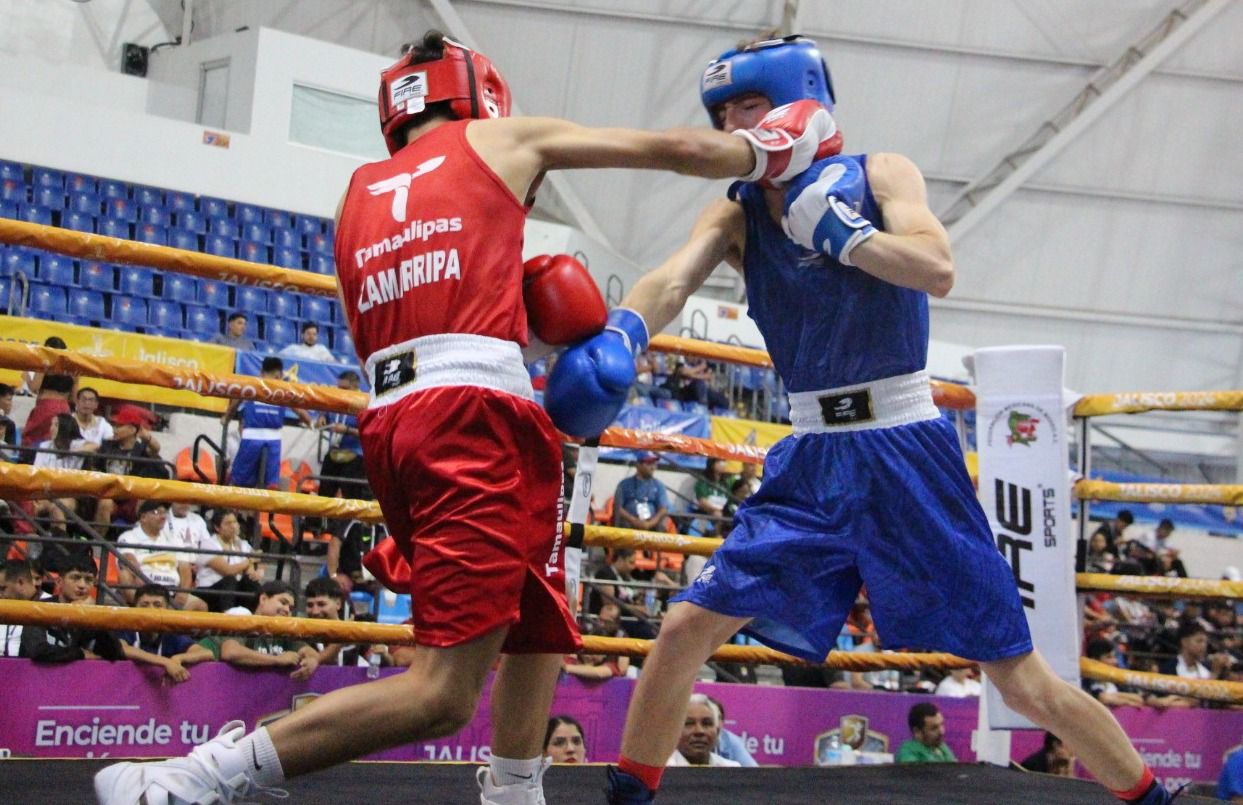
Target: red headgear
(471, 84)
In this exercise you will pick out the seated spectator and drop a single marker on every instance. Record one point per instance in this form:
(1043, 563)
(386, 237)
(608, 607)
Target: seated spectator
(164, 649)
(700, 732)
(609, 620)
(1107, 693)
(19, 581)
(344, 560)
(65, 436)
(959, 684)
(691, 381)
(641, 501)
(1169, 564)
(55, 644)
(645, 380)
(227, 581)
(146, 550)
(309, 348)
(730, 745)
(620, 569)
(260, 425)
(276, 599)
(750, 475)
(927, 743)
(1112, 529)
(8, 428)
(712, 497)
(234, 334)
(52, 394)
(1189, 663)
(596, 666)
(563, 741)
(1099, 559)
(1052, 758)
(94, 428)
(131, 451)
(325, 601)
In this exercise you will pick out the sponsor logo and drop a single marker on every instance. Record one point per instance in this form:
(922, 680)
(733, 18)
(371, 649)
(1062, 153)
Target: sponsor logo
(1013, 510)
(718, 74)
(409, 92)
(1022, 428)
(1022, 424)
(847, 408)
(394, 372)
(852, 731)
(399, 186)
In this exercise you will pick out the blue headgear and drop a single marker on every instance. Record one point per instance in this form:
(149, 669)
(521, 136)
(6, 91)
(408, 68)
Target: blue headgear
(783, 70)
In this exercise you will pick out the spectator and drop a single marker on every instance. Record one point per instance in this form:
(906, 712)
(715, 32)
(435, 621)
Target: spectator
(730, 745)
(749, 475)
(52, 393)
(345, 553)
(234, 334)
(563, 741)
(65, 436)
(1099, 559)
(276, 599)
(1189, 663)
(18, 582)
(645, 381)
(608, 620)
(959, 684)
(186, 529)
(691, 382)
(1169, 564)
(711, 496)
(94, 428)
(927, 744)
(1230, 783)
(1052, 758)
(131, 451)
(343, 470)
(57, 644)
(227, 581)
(1113, 528)
(597, 666)
(147, 550)
(309, 348)
(641, 501)
(1107, 693)
(700, 732)
(164, 649)
(8, 428)
(260, 425)
(621, 569)
(325, 601)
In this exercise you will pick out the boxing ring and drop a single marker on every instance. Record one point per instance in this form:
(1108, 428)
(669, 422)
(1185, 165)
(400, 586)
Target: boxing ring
(381, 782)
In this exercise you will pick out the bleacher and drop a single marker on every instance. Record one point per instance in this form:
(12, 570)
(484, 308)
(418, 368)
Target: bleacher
(143, 300)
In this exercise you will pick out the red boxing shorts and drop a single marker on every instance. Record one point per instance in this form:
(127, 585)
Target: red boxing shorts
(469, 480)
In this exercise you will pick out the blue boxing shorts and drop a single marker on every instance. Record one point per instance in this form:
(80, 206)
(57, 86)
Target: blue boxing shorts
(889, 507)
(250, 453)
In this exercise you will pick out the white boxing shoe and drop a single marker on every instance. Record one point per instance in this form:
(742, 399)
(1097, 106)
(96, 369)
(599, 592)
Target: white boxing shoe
(212, 773)
(531, 793)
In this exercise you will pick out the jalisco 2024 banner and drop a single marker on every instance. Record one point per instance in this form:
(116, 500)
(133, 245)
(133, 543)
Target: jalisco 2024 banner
(96, 709)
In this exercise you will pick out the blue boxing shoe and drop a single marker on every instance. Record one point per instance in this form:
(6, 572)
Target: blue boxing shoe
(1157, 795)
(626, 789)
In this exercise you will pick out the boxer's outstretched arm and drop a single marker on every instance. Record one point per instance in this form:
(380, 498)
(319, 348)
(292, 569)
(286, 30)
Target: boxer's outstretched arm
(717, 236)
(914, 249)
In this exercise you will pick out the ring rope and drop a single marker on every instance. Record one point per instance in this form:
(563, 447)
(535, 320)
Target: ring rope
(1216, 690)
(1222, 494)
(1136, 402)
(1159, 586)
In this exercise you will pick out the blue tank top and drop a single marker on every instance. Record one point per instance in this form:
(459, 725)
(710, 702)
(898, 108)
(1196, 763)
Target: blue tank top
(345, 441)
(827, 325)
(257, 414)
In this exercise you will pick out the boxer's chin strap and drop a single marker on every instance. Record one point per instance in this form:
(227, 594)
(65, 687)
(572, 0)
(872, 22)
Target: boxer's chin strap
(580, 508)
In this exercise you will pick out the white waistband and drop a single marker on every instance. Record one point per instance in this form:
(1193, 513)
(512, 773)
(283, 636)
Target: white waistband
(883, 403)
(262, 434)
(451, 359)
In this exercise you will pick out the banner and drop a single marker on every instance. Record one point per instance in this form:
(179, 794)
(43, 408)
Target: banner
(1025, 489)
(747, 431)
(659, 420)
(113, 344)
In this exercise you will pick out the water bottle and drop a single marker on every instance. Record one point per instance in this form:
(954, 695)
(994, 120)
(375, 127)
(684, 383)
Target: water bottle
(833, 751)
(649, 600)
(373, 665)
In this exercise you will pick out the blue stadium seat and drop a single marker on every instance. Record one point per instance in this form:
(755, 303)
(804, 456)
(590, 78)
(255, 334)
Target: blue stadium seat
(179, 202)
(183, 239)
(115, 228)
(317, 309)
(81, 183)
(214, 207)
(254, 251)
(191, 220)
(278, 219)
(46, 177)
(220, 245)
(393, 608)
(287, 258)
(35, 214)
(121, 208)
(283, 304)
(179, 287)
(259, 233)
(8, 209)
(110, 188)
(6, 285)
(11, 170)
(247, 214)
(47, 301)
(150, 233)
(252, 300)
(223, 226)
(13, 190)
(46, 196)
(97, 276)
(129, 310)
(136, 281)
(215, 293)
(695, 408)
(56, 269)
(342, 342)
(166, 316)
(319, 242)
(279, 332)
(86, 305)
(78, 221)
(321, 263)
(148, 214)
(149, 197)
(14, 259)
(202, 322)
(308, 224)
(286, 238)
(87, 203)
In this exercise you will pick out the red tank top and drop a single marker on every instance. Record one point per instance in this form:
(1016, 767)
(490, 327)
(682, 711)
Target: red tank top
(430, 242)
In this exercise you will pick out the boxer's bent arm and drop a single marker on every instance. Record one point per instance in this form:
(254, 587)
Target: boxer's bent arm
(914, 249)
(661, 293)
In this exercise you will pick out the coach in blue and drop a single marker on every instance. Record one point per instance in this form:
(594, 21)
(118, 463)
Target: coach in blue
(871, 488)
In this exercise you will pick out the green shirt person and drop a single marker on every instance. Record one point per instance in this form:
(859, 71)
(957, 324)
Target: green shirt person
(927, 744)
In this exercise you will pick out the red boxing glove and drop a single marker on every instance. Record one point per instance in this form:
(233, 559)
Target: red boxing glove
(389, 567)
(563, 304)
(789, 138)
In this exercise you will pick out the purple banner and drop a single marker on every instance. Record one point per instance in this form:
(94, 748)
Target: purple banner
(98, 709)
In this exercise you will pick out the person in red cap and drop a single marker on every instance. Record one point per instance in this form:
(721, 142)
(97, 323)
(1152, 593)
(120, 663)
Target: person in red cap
(132, 450)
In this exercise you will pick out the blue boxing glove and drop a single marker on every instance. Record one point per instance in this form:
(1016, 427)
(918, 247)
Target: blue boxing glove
(821, 210)
(590, 382)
